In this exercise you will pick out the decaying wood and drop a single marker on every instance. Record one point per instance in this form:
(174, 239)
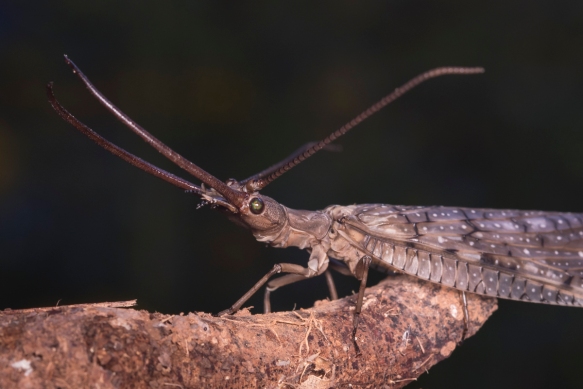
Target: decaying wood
(407, 326)
(114, 304)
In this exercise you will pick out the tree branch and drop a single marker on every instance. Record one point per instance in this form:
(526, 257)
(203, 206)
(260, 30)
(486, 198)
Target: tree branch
(407, 326)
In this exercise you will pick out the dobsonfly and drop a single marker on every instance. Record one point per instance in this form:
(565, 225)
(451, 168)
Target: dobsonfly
(531, 256)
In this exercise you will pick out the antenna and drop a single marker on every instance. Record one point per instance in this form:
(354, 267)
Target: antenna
(261, 180)
(233, 196)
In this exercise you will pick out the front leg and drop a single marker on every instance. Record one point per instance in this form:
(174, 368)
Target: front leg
(278, 268)
(317, 264)
(276, 284)
(290, 279)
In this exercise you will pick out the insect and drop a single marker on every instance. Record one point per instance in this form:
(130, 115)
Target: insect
(531, 256)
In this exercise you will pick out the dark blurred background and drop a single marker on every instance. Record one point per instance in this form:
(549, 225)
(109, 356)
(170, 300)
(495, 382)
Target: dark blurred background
(235, 88)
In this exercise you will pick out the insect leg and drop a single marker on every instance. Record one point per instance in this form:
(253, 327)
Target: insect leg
(340, 268)
(290, 279)
(363, 273)
(278, 268)
(276, 284)
(466, 315)
(331, 285)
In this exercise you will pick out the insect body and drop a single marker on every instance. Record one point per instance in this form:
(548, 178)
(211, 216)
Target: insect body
(521, 255)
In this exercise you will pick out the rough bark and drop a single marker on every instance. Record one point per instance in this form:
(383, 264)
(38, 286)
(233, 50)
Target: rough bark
(407, 326)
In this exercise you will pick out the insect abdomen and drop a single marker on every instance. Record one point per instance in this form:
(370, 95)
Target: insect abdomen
(465, 276)
(520, 255)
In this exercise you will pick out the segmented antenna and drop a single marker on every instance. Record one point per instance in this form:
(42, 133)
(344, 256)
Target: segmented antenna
(263, 179)
(233, 196)
(116, 150)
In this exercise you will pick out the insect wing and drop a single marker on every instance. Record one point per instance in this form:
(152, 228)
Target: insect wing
(523, 255)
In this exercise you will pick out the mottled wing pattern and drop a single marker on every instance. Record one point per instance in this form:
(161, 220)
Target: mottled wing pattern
(523, 255)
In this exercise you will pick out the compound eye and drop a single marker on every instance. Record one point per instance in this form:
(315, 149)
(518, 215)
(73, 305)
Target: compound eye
(256, 206)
